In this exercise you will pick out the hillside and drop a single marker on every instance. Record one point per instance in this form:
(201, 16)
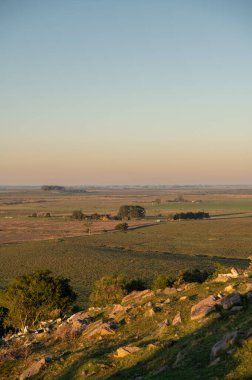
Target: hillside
(195, 331)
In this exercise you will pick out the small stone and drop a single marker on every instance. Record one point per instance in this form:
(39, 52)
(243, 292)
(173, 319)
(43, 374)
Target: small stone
(183, 298)
(177, 320)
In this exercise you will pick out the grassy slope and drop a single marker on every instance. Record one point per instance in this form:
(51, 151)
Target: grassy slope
(193, 339)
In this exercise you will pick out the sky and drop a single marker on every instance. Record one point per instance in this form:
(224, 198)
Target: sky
(125, 92)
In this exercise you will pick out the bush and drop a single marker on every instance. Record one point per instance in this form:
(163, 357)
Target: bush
(36, 296)
(48, 215)
(162, 281)
(194, 275)
(34, 215)
(122, 227)
(108, 290)
(77, 215)
(135, 285)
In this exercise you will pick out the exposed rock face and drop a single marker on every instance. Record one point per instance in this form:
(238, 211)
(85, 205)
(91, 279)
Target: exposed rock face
(125, 351)
(231, 300)
(204, 307)
(34, 368)
(224, 277)
(150, 312)
(169, 291)
(137, 296)
(222, 345)
(99, 328)
(177, 320)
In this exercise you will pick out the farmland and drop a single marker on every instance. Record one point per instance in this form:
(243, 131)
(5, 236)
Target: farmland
(63, 245)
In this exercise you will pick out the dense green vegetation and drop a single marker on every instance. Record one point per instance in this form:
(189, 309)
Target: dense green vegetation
(34, 297)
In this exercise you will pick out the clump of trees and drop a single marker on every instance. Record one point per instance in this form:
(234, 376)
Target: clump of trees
(34, 297)
(191, 215)
(131, 212)
(52, 187)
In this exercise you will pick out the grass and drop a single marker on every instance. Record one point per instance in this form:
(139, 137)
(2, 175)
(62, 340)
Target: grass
(144, 253)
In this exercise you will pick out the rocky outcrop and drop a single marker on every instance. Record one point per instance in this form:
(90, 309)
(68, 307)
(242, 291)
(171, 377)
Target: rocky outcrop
(233, 299)
(224, 277)
(35, 368)
(204, 307)
(224, 344)
(137, 296)
(121, 352)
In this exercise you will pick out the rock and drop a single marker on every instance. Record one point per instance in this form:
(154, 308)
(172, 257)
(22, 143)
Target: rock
(229, 289)
(35, 368)
(121, 352)
(234, 273)
(149, 313)
(214, 362)
(167, 301)
(162, 327)
(221, 278)
(99, 328)
(137, 296)
(169, 291)
(233, 299)
(223, 345)
(236, 308)
(249, 287)
(178, 360)
(177, 320)
(204, 307)
(117, 308)
(183, 298)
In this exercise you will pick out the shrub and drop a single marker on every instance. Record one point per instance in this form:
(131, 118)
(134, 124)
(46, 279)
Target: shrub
(77, 215)
(135, 285)
(122, 227)
(36, 296)
(194, 275)
(108, 290)
(162, 281)
(48, 215)
(34, 215)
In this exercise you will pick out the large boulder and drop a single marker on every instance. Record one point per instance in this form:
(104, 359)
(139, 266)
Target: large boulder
(231, 300)
(223, 345)
(35, 368)
(121, 352)
(204, 307)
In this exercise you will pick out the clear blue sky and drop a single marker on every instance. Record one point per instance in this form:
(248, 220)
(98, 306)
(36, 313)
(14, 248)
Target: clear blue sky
(100, 92)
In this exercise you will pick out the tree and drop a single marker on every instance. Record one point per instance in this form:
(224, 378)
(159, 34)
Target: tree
(36, 296)
(108, 290)
(129, 212)
(77, 214)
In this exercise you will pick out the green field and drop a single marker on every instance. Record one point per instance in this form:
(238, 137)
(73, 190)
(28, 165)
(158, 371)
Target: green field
(168, 247)
(143, 253)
